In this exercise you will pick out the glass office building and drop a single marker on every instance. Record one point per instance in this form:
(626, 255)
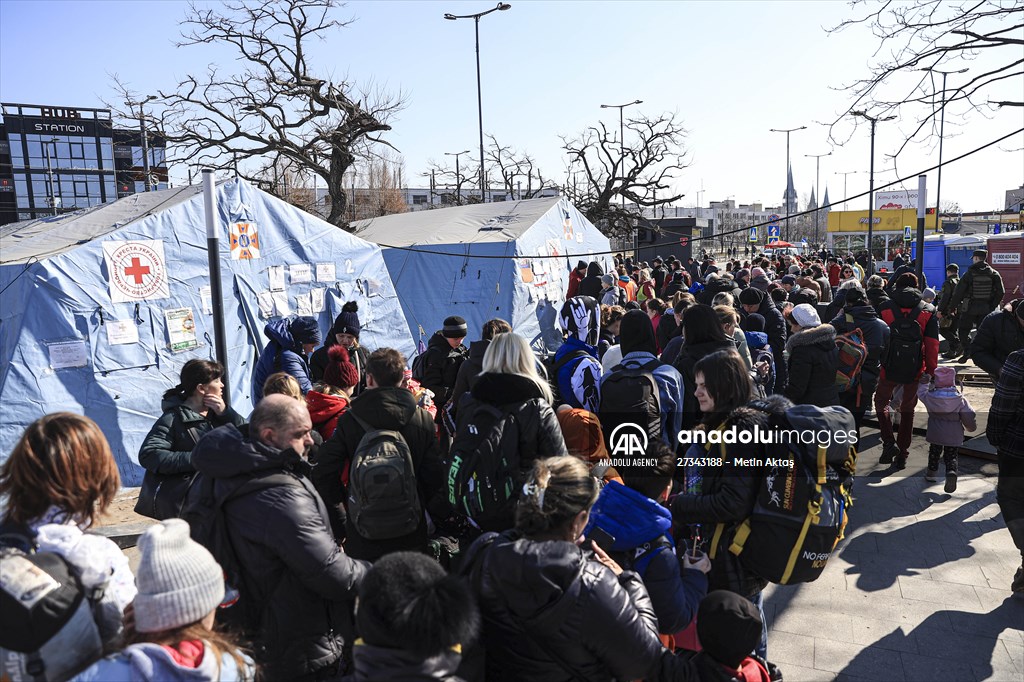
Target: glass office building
(59, 159)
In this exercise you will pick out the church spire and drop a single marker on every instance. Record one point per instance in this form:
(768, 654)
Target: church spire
(789, 198)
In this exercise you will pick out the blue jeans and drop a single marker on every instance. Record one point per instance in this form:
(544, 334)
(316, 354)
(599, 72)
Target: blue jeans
(762, 647)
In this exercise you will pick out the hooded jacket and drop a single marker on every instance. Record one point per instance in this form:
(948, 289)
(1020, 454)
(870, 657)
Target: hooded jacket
(549, 605)
(579, 380)
(979, 291)
(148, 662)
(757, 346)
(441, 367)
(575, 278)
(591, 284)
(775, 328)
(907, 299)
(379, 664)
(634, 519)
(812, 367)
(949, 413)
(324, 411)
(470, 370)
(999, 334)
(282, 354)
(168, 445)
(292, 567)
(385, 407)
(876, 297)
(876, 337)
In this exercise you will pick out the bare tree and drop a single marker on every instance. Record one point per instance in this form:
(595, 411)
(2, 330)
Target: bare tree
(451, 184)
(516, 171)
(276, 107)
(640, 171)
(916, 35)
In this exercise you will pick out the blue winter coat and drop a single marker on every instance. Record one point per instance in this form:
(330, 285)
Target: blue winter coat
(634, 519)
(579, 386)
(291, 359)
(147, 661)
(670, 392)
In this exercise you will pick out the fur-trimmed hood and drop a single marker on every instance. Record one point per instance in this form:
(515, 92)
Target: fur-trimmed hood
(823, 335)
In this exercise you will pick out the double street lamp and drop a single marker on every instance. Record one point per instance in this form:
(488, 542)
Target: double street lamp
(817, 189)
(786, 194)
(845, 174)
(458, 177)
(871, 186)
(622, 154)
(500, 7)
(942, 128)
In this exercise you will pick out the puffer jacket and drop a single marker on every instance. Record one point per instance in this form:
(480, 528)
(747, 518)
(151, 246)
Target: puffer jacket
(304, 583)
(324, 411)
(812, 367)
(539, 434)
(949, 413)
(378, 664)
(876, 338)
(549, 607)
(591, 284)
(727, 496)
(282, 354)
(441, 368)
(168, 445)
(688, 357)
(385, 407)
(635, 520)
(148, 661)
(999, 334)
(979, 291)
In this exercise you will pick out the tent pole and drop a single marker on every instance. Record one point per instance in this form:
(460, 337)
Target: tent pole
(213, 254)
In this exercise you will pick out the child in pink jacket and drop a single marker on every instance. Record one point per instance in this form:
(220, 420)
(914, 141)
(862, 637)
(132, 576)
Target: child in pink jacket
(949, 414)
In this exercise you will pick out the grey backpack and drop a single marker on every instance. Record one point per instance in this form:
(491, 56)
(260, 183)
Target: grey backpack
(383, 499)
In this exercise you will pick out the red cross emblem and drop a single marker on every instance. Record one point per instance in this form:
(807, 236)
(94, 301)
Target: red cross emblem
(137, 270)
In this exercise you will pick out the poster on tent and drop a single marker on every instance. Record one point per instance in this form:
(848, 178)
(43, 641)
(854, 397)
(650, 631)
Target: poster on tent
(245, 240)
(525, 270)
(567, 231)
(181, 329)
(137, 270)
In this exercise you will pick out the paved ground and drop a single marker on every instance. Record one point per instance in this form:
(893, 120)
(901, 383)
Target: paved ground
(918, 591)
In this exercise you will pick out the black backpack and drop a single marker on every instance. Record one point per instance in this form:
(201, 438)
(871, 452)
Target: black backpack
(483, 463)
(419, 366)
(630, 395)
(383, 498)
(904, 355)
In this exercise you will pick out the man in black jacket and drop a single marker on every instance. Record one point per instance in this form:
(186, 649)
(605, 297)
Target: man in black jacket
(442, 360)
(658, 273)
(297, 582)
(999, 334)
(385, 404)
(947, 314)
(591, 284)
(978, 293)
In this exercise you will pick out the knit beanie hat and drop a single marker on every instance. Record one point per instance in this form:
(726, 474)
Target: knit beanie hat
(340, 372)
(607, 280)
(789, 279)
(753, 323)
(408, 602)
(928, 295)
(856, 296)
(729, 627)
(348, 321)
(805, 315)
(756, 272)
(945, 377)
(583, 435)
(454, 328)
(305, 330)
(179, 581)
(636, 333)
(751, 296)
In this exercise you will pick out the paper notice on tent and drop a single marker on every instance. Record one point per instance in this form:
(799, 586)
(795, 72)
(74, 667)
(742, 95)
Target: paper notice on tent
(325, 272)
(181, 329)
(303, 306)
(206, 299)
(276, 275)
(579, 237)
(68, 353)
(554, 247)
(266, 303)
(245, 241)
(121, 332)
(137, 270)
(300, 273)
(316, 297)
(281, 306)
(526, 270)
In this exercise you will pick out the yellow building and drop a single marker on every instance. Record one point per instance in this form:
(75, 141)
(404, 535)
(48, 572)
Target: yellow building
(848, 232)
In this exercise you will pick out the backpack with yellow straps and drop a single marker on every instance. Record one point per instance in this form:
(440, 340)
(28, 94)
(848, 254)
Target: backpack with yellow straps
(803, 498)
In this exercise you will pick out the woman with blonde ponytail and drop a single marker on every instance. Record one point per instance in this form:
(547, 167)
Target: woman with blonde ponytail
(552, 606)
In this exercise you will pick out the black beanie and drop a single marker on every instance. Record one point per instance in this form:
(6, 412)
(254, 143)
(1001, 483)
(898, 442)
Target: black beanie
(408, 602)
(855, 296)
(454, 328)
(304, 330)
(753, 322)
(729, 627)
(348, 321)
(751, 296)
(636, 333)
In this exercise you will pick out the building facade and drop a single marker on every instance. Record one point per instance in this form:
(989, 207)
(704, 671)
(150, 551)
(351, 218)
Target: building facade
(56, 160)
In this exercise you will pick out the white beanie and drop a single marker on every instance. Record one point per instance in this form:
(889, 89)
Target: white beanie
(179, 581)
(805, 315)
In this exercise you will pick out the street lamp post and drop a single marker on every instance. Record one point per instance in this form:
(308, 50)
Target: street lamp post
(845, 174)
(786, 193)
(942, 128)
(622, 154)
(501, 6)
(817, 189)
(458, 178)
(145, 137)
(871, 186)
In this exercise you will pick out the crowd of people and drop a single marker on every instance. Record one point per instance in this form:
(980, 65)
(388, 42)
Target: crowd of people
(472, 514)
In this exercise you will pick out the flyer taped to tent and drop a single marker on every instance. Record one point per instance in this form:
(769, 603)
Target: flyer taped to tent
(265, 300)
(181, 329)
(67, 353)
(303, 306)
(325, 273)
(300, 273)
(121, 332)
(276, 275)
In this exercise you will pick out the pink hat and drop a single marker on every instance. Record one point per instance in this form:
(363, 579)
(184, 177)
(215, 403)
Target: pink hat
(945, 377)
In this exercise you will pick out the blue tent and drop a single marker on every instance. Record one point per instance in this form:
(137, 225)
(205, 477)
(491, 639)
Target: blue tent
(506, 259)
(101, 308)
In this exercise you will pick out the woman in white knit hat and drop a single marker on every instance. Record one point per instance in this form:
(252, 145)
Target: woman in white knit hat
(811, 359)
(169, 634)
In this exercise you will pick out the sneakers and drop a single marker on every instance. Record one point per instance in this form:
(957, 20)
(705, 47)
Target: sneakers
(950, 483)
(931, 475)
(1017, 586)
(889, 452)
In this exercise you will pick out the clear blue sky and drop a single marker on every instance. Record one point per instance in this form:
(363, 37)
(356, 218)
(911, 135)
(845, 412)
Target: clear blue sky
(731, 69)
